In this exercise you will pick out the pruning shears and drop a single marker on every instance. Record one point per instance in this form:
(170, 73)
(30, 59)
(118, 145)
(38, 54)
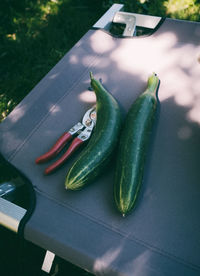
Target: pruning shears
(82, 129)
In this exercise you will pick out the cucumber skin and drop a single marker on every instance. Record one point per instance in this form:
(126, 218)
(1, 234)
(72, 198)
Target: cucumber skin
(132, 150)
(96, 155)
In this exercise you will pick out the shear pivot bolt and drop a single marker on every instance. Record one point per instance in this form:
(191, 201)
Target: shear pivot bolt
(88, 122)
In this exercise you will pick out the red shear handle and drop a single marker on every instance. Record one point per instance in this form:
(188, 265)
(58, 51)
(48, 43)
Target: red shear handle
(59, 145)
(74, 145)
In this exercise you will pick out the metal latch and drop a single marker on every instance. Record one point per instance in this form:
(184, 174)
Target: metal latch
(115, 15)
(128, 19)
(11, 189)
(6, 188)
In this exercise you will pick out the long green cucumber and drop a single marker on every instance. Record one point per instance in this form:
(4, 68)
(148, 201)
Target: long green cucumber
(133, 146)
(95, 156)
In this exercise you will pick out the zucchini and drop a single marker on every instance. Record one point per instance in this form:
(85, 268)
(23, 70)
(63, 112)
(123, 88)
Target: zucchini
(96, 155)
(133, 146)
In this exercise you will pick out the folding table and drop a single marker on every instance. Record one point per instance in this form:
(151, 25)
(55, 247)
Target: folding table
(162, 234)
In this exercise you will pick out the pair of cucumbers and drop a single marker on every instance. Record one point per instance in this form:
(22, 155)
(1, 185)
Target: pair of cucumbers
(133, 138)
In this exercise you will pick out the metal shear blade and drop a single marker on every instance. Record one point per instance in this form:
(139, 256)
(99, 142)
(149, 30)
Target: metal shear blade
(89, 121)
(83, 130)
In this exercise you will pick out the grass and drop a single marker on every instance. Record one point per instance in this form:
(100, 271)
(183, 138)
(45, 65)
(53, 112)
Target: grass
(34, 36)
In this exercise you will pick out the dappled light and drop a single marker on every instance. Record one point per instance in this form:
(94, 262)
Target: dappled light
(147, 60)
(53, 76)
(55, 108)
(175, 63)
(11, 36)
(139, 264)
(50, 7)
(73, 59)
(105, 261)
(36, 34)
(136, 264)
(185, 9)
(99, 45)
(88, 96)
(18, 114)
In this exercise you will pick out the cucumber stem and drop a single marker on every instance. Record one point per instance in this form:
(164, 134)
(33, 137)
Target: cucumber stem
(153, 82)
(91, 76)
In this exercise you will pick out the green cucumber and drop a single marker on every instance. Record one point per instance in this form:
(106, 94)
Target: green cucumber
(133, 146)
(96, 155)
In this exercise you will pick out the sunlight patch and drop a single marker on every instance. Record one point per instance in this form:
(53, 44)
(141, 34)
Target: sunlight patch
(18, 113)
(73, 59)
(54, 109)
(88, 96)
(102, 263)
(11, 36)
(100, 44)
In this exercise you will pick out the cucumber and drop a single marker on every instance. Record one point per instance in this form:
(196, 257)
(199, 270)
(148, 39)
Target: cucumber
(96, 155)
(133, 147)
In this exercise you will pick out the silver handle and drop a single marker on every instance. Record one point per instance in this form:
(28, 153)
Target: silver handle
(131, 20)
(10, 214)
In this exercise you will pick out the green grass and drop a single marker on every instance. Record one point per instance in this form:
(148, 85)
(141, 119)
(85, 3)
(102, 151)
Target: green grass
(35, 34)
